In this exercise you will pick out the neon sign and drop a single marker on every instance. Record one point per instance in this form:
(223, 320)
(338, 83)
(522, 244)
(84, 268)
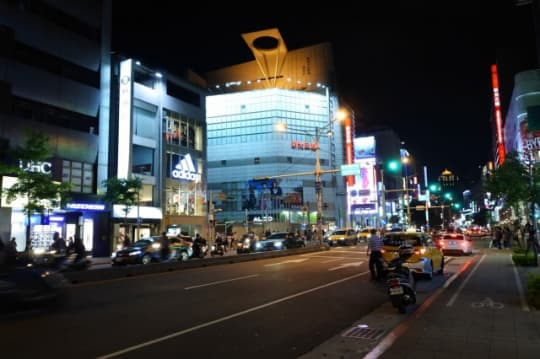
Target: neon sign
(38, 167)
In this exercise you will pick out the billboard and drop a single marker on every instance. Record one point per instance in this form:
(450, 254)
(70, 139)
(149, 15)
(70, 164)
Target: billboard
(362, 195)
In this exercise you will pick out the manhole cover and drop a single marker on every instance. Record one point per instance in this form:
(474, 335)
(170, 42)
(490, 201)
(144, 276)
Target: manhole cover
(363, 333)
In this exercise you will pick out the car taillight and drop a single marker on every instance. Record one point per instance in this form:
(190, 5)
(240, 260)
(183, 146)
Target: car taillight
(441, 243)
(394, 282)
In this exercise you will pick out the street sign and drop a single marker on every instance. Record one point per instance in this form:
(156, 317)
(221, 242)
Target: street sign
(350, 170)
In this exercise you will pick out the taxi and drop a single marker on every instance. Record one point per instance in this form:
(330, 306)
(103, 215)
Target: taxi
(363, 234)
(342, 237)
(428, 257)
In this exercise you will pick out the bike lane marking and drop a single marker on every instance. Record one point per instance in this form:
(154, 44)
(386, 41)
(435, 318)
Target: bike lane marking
(464, 283)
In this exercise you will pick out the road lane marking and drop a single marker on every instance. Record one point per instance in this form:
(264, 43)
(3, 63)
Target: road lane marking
(465, 281)
(522, 298)
(333, 260)
(345, 265)
(220, 281)
(287, 261)
(219, 320)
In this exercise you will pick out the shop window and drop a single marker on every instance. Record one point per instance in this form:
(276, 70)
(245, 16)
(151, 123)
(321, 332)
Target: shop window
(143, 160)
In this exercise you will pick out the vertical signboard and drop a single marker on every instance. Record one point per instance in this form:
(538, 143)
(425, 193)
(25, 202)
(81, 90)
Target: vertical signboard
(124, 118)
(498, 115)
(349, 146)
(362, 194)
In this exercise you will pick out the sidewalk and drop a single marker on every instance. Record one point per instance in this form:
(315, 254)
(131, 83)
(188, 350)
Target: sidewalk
(481, 313)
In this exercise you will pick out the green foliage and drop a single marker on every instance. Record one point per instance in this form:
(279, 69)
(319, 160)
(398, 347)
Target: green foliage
(533, 290)
(123, 191)
(40, 190)
(522, 260)
(510, 182)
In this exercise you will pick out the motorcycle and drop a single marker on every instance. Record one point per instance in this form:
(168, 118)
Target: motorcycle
(29, 285)
(200, 248)
(400, 280)
(217, 249)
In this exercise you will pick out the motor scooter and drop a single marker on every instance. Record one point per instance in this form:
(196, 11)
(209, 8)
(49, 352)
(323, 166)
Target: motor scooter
(217, 249)
(400, 280)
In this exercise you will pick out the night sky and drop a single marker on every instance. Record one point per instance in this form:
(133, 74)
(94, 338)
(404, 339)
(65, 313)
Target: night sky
(419, 67)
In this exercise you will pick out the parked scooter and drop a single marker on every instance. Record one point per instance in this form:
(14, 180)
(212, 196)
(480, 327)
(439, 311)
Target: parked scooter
(400, 280)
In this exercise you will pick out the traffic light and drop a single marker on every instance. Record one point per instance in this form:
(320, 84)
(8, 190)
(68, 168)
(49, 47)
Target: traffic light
(434, 188)
(393, 165)
(448, 196)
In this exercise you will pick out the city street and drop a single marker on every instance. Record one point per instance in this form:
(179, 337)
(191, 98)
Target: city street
(280, 307)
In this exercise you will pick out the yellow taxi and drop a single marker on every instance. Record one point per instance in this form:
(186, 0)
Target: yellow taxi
(428, 258)
(342, 237)
(363, 234)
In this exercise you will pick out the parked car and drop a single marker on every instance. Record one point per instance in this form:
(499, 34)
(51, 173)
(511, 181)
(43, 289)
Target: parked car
(143, 251)
(427, 259)
(342, 237)
(455, 243)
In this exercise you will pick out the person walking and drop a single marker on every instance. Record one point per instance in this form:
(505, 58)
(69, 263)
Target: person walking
(532, 243)
(375, 257)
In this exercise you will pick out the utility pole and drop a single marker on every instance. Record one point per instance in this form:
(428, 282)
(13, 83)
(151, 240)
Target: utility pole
(318, 187)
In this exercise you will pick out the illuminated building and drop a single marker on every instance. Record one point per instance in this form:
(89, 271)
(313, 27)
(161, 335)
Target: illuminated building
(55, 62)
(256, 174)
(159, 137)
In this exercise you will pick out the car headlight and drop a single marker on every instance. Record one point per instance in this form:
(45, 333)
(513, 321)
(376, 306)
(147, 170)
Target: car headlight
(113, 255)
(258, 245)
(156, 245)
(134, 253)
(278, 244)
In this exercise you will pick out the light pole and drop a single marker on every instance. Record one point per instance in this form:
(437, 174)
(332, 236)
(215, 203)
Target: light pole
(318, 172)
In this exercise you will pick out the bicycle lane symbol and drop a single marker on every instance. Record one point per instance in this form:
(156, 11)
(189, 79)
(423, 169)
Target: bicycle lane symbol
(488, 303)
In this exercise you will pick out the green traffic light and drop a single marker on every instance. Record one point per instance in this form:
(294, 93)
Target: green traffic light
(434, 187)
(394, 165)
(448, 195)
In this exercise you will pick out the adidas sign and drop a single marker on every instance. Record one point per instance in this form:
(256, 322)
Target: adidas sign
(185, 169)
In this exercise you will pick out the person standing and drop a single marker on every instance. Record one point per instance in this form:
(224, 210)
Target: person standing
(531, 239)
(165, 246)
(374, 247)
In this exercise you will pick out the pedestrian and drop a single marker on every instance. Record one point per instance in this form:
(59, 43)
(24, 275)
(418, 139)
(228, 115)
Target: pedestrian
(13, 243)
(165, 246)
(59, 244)
(506, 237)
(532, 243)
(375, 257)
(497, 238)
(127, 242)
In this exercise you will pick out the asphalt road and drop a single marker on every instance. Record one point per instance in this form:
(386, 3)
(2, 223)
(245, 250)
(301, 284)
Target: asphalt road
(269, 308)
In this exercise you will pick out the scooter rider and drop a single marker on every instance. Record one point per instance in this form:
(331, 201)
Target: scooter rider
(374, 247)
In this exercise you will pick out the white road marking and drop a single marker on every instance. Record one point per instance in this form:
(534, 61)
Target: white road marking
(219, 320)
(522, 298)
(333, 260)
(458, 291)
(345, 265)
(220, 281)
(287, 261)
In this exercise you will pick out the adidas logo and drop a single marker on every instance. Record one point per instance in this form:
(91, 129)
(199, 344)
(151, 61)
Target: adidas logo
(185, 169)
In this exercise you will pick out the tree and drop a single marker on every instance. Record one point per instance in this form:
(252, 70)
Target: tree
(511, 183)
(124, 192)
(36, 186)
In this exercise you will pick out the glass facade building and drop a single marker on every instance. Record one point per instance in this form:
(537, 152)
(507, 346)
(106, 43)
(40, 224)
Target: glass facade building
(262, 157)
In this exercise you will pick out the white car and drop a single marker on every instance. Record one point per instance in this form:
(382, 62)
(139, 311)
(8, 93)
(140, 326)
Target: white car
(455, 243)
